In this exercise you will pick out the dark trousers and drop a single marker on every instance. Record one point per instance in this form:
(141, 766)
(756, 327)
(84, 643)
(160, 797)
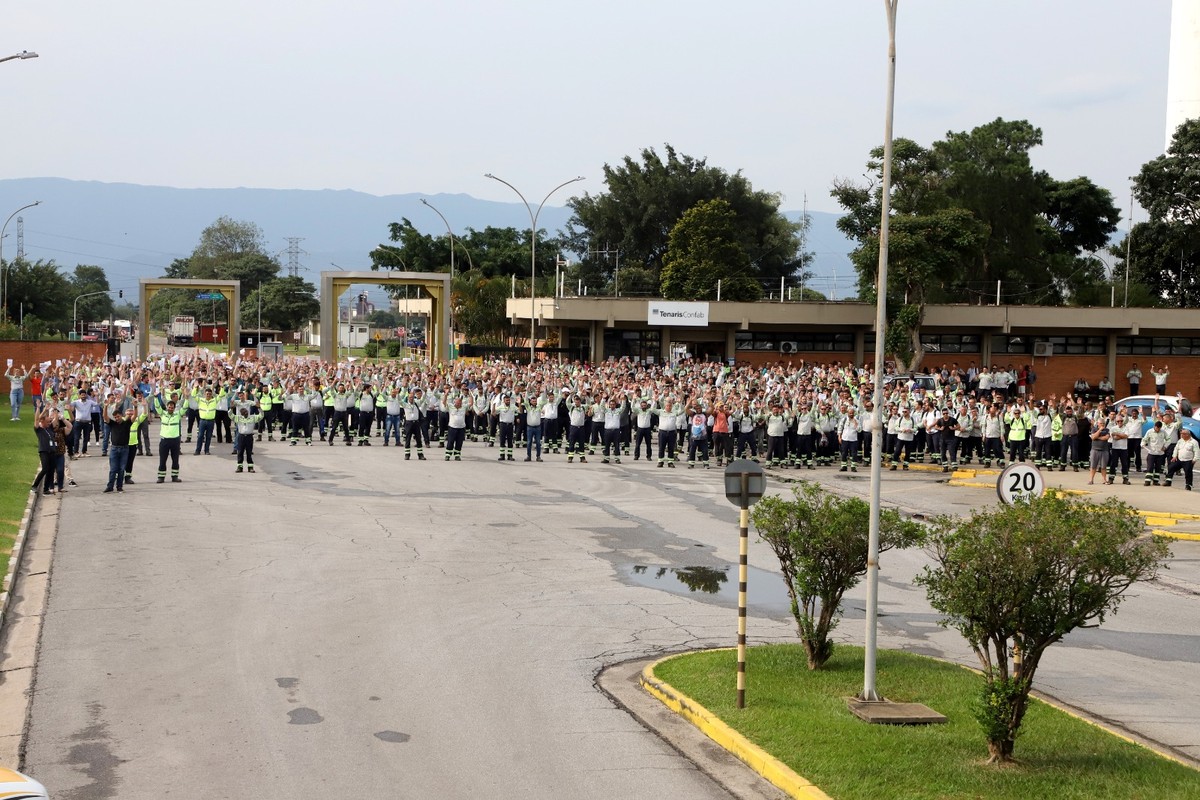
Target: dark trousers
(454, 440)
(643, 437)
(612, 440)
(576, 436)
(1186, 467)
(1121, 457)
(224, 433)
(666, 445)
(168, 447)
(246, 448)
(117, 457)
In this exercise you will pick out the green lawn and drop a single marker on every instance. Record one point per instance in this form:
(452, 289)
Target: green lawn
(801, 718)
(18, 465)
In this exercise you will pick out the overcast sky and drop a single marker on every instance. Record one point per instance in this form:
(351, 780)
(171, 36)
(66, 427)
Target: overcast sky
(390, 97)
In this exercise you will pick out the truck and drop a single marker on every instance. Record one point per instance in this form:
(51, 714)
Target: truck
(181, 332)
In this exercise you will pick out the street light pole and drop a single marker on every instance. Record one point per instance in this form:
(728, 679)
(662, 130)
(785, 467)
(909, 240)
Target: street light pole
(24, 54)
(533, 254)
(449, 305)
(4, 283)
(868, 692)
(75, 308)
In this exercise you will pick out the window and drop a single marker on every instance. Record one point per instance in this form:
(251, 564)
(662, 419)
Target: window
(951, 342)
(1063, 345)
(635, 345)
(807, 342)
(1158, 346)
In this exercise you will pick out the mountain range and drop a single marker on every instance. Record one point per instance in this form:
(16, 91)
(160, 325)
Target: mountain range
(135, 231)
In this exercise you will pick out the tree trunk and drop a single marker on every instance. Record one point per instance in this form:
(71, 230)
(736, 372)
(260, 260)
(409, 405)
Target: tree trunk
(1000, 751)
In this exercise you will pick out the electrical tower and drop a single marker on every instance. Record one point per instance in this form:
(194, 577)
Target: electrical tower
(293, 254)
(20, 238)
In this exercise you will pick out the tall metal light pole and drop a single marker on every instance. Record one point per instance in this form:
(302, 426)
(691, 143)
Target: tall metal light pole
(868, 692)
(4, 283)
(446, 300)
(533, 216)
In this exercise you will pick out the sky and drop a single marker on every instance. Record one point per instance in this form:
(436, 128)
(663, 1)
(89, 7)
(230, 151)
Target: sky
(390, 97)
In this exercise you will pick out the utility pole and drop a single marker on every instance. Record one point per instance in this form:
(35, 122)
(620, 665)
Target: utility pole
(20, 238)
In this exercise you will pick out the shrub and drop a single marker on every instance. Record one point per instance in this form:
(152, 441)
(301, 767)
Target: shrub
(1014, 580)
(821, 541)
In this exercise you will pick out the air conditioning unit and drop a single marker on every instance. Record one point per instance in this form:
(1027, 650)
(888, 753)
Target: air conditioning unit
(787, 347)
(1043, 349)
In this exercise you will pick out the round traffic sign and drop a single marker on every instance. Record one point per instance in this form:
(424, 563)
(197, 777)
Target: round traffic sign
(1020, 483)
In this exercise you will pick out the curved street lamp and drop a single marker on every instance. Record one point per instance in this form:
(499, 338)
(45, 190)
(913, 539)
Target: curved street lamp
(4, 282)
(533, 253)
(24, 54)
(449, 304)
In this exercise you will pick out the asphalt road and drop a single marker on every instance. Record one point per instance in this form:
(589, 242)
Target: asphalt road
(348, 623)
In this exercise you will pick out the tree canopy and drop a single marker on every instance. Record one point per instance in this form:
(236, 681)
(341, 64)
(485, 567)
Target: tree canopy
(229, 250)
(1164, 265)
(970, 213)
(1012, 224)
(704, 253)
(646, 199)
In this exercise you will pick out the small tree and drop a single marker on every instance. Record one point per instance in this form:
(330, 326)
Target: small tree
(371, 349)
(1016, 579)
(821, 542)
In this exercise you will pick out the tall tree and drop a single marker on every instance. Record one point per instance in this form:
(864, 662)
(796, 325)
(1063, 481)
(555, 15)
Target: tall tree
(645, 200)
(704, 252)
(39, 287)
(87, 280)
(287, 303)
(1165, 250)
(968, 212)
(228, 250)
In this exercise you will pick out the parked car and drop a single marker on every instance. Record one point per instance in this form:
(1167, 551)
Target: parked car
(926, 382)
(15, 786)
(1184, 410)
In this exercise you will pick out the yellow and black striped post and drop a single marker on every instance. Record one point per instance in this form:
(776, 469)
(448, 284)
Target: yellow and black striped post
(744, 485)
(743, 558)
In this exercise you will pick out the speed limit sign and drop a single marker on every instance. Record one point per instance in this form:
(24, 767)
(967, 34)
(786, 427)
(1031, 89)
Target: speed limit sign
(1020, 483)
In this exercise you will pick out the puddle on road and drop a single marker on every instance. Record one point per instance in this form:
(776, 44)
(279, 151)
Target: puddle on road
(765, 591)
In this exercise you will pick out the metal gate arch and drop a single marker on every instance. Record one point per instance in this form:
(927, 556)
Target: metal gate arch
(230, 290)
(437, 284)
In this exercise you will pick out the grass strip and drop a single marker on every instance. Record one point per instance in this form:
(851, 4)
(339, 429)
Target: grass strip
(18, 465)
(801, 718)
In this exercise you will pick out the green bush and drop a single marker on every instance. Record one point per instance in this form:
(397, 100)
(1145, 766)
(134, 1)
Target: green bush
(394, 346)
(821, 541)
(371, 349)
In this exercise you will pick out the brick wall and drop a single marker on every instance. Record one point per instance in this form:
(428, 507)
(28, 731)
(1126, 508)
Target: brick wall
(1185, 374)
(33, 353)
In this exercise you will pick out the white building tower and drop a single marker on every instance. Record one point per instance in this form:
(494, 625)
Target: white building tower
(1183, 73)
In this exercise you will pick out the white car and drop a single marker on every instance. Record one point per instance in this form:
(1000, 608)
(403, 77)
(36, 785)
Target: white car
(15, 786)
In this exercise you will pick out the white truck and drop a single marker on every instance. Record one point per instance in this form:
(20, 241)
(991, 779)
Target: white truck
(181, 332)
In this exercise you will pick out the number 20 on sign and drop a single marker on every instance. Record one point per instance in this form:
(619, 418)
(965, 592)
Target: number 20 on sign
(1020, 483)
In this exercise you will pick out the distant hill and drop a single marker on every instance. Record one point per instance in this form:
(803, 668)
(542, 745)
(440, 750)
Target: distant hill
(135, 231)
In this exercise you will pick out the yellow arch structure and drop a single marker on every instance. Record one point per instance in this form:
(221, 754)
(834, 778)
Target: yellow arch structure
(436, 284)
(230, 290)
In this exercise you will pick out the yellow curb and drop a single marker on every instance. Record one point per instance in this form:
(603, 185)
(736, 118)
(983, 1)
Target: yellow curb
(1168, 515)
(963, 474)
(1192, 537)
(924, 467)
(1165, 522)
(971, 484)
(759, 760)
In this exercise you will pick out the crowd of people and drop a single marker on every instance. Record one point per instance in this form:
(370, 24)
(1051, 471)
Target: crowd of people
(795, 416)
